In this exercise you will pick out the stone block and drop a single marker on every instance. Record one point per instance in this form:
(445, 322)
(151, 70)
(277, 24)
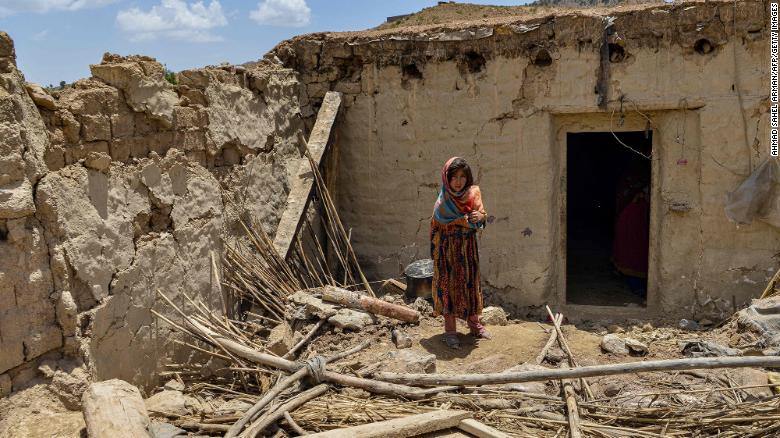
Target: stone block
(95, 128)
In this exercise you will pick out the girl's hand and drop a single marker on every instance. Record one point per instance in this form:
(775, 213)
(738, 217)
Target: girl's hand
(476, 216)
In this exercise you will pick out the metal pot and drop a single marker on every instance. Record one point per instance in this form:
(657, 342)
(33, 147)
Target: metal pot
(419, 276)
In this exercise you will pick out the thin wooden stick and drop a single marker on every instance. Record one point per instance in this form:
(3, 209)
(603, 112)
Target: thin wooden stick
(305, 339)
(550, 341)
(298, 429)
(771, 286)
(565, 347)
(263, 422)
(572, 412)
(280, 386)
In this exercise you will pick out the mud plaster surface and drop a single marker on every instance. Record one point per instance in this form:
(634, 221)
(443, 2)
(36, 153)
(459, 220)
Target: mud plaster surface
(414, 100)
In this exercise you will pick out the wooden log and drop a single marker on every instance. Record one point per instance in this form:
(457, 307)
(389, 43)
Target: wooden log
(297, 428)
(565, 347)
(480, 430)
(115, 409)
(290, 405)
(393, 286)
(303, 182)
(572, 412)
(770, 287)
(268, 397)
(550, 341)
(586, 371)
(412, 425)
(289, 366)
(369, 304)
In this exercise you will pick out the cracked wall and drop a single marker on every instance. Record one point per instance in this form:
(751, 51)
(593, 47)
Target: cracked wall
(503, 95)
(124, 184)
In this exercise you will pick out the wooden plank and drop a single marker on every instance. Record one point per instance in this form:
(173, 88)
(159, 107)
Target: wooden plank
(303, 182)
(480, 430)
(115, 409)
(401, 427)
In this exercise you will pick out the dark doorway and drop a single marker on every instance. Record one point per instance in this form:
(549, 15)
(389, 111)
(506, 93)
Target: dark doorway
(607, 218)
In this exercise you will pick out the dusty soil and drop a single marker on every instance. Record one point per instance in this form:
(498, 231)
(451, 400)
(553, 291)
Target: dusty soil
(37, 412)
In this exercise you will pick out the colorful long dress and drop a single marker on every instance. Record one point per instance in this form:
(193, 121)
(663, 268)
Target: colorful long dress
(456, 281)
(456, 287)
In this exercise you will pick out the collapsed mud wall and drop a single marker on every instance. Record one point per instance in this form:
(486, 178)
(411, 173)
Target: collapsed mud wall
(124, 184)
(503, 94)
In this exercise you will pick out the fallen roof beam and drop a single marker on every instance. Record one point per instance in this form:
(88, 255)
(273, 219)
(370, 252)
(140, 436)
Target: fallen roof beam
(576, 373)
(412, 425)
(303, 182)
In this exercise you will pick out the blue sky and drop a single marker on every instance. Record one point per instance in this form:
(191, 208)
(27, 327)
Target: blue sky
(56, 40)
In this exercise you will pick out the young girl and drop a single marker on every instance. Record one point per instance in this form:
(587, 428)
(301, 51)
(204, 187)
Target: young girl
(457, 215)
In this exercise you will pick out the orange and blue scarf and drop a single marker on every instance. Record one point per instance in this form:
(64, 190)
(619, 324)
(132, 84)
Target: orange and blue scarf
(451, 206)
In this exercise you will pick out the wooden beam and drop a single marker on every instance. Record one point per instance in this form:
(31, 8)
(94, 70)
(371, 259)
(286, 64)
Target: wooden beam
(412, 425)
(115, 409)
(480, 430)
(586, 371)
(303, 180)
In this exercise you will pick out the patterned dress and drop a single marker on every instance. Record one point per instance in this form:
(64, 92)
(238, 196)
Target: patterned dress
(456, 281)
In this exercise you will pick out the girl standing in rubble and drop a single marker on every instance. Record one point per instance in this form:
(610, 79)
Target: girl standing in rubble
(457, 215)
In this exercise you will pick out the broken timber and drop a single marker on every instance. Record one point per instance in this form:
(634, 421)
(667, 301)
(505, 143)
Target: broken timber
(371, 305)
(575, 373)
(412, 425)
(303, 184)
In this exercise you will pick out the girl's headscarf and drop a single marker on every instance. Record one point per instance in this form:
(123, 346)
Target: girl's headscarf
(451, 206)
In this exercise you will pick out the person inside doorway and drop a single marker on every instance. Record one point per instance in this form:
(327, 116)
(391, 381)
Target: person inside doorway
(632, 224)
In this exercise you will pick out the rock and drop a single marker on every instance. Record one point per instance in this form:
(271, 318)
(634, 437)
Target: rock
(40, 96)
(687, 324)
(174, 385)
(159, 429)
(613, 344)
(313, 306)
(423, 306)
(141, 80)
(705, 322)
(409, 361)
(69, 386)
(535, 387)
(401, 339)
(751, 377)
(5, 385)
(350, 319)
(280, 341)
(67, 314)
(167, 403)
(706, 348)
(636, 347)
(614, 328)
(233, 407)
(493, 316)
(115, 409)
(647, 327)
(99, 161)
(555, 355)
(612, 389)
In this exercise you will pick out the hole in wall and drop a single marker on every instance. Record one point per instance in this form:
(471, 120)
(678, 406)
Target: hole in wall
(474, 61)
(410, 71)
(3, 231)
(542, 58)
(703, 46)
(616, 52)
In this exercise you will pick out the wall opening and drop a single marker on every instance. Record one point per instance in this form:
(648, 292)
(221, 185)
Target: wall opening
(607, 218)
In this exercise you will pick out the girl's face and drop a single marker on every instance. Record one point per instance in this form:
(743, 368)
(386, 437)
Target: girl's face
(458, 180)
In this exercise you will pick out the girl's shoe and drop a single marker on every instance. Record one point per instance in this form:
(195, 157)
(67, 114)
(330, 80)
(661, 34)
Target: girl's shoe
(481, 333)
(452, 341)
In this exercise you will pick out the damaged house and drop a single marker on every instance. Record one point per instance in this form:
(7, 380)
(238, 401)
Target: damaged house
(124, 184)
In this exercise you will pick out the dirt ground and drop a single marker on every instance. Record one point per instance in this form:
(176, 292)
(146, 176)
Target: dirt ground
(38, 412)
